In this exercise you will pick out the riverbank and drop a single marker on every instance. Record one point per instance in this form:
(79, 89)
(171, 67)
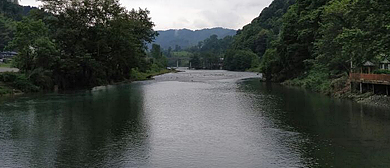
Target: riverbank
(370, 99)
(339, 88)
(13, 83)
(8, 69)
(200, 111)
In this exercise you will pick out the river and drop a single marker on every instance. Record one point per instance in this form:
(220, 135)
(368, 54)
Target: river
(192, 119)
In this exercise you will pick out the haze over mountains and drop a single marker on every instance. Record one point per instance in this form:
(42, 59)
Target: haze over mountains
(187, 38)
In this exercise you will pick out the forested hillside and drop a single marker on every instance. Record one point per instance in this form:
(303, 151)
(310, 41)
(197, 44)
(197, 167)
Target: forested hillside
(244, 50)
(250, 43)
(9, 13)
(313, 43)
(185, 38)
(258, 35)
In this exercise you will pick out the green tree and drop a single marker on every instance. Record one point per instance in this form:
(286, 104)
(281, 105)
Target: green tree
(195, 62)
(156, 51)
(35, 49)
(99, 41)
(5, 32)
(239, 60)
(169, 52)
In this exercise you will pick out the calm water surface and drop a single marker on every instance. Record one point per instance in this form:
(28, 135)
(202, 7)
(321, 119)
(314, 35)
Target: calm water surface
(192, 119)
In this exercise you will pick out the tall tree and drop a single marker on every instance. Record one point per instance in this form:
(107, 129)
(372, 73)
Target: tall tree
(99, 41)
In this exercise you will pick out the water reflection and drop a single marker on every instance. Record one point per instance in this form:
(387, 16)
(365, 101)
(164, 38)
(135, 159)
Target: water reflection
(211, 124)
(342, 133)
(92, 129)
(192, 119)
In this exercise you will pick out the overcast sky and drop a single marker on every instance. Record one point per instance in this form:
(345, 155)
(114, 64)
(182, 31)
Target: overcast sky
(195, 14)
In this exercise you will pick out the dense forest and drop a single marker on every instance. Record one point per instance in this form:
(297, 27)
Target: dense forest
(77, 44)
(314, 44)
(320, 40)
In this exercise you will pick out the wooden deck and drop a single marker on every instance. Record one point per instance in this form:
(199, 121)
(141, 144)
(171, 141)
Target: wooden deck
(380, 79)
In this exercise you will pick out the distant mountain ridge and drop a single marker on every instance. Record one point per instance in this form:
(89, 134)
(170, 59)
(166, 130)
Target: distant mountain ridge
(187, 38)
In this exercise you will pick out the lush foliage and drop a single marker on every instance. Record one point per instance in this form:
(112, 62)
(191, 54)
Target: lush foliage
(382, 71)
(18, 81)
(209, 53)
(240, 60)
(158, 59)
(76, 44)
(312, 43)
(258, 36)
(331, 34)
(9, 14)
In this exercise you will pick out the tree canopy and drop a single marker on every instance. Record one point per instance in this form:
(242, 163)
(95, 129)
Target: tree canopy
(83, 43)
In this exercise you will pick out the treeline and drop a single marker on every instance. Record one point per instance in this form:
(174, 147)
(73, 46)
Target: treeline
(209, 53)
(9, 14)
(80, 44)
(312, 43)
(244, 50)
(320, 40)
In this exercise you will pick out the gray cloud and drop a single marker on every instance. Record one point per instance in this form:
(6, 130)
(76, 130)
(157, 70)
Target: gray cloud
(198, 14)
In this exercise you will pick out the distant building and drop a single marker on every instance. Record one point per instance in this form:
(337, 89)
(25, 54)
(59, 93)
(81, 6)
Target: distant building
(8, 54)
(385, 64)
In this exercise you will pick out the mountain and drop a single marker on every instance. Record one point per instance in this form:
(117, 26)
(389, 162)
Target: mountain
(259, 34)
(14, 11)
(257, 37)
(10, 12)
(187, 38)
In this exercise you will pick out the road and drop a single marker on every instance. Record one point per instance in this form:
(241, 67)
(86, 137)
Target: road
(2, 69)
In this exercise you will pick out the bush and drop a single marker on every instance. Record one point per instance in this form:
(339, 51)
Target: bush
(4, 91)
(316, 80)
(18, 81)
(135, 74)
(381, 71)
(240, 60)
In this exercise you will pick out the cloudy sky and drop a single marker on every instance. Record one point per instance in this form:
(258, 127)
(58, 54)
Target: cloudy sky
(195, 14)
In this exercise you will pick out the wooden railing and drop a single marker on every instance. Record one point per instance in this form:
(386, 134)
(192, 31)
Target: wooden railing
(370, 78)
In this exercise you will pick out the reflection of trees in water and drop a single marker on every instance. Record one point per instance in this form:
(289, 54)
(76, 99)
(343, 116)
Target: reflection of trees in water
(91, 129)
(341, 132)
(270, 121)
(112, 125)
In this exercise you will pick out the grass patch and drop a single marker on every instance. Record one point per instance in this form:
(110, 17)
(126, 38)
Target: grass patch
(315, 80)
(253, 69)
(5, 65)
(136, 75)
(320, 81)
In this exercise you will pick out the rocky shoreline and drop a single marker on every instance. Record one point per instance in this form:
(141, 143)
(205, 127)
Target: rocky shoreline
(376, 100)
(343, 91)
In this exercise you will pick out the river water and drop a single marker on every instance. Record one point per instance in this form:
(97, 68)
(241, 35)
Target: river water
(192, 119)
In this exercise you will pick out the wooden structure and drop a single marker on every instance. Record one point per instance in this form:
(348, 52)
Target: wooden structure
(374, 82)
(369, 66)
(383, 79)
